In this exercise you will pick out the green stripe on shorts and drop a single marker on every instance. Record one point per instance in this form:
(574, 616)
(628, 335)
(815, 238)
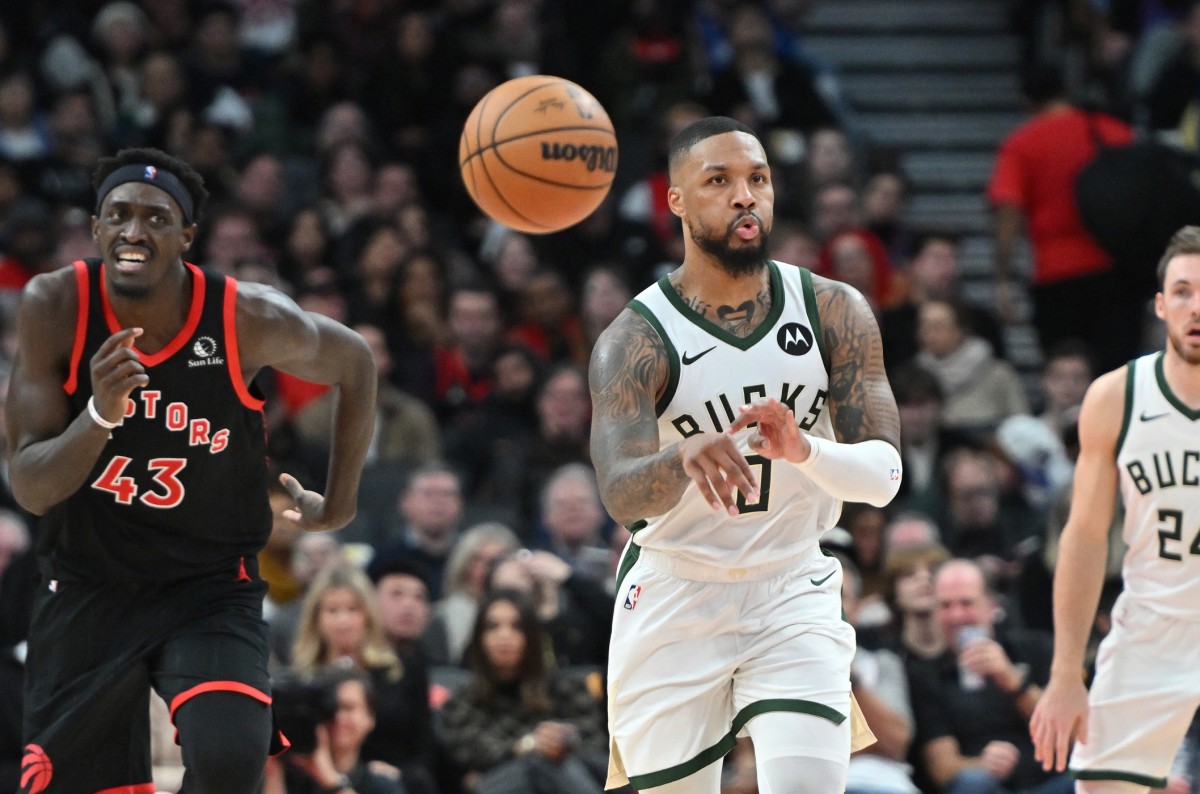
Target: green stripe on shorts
(726, 742)
(1117, 774)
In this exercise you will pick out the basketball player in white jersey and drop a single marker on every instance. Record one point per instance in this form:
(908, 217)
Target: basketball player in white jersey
(1138, 436)
(727, 619)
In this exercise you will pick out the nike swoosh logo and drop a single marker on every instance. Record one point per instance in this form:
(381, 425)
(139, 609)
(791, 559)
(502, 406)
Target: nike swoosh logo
(1145, 418)
(693, 359)
(822, 580)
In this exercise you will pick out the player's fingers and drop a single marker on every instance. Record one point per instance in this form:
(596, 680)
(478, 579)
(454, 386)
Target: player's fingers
(741, 475)
(123, 338)
(700, 477)
(1035, 733)
(124, 369)
(742, 422)
(292, 486)
(758, 441)
(1044, 748)
(1062, 746)
(722, 488)
(767, 411)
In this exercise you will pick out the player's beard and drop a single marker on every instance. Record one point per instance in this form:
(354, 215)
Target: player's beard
(1189, 356)
(742, 260)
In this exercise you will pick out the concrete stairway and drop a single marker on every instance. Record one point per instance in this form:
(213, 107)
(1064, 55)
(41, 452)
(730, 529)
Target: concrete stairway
(935, 81)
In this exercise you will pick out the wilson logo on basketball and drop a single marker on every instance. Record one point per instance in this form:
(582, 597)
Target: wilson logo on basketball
(601, 157)
(36, 770)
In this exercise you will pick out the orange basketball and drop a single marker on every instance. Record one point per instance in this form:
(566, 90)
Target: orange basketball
(538, 154)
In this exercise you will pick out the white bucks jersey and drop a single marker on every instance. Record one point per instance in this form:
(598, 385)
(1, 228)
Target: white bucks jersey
(712, 372)
(1158, 455)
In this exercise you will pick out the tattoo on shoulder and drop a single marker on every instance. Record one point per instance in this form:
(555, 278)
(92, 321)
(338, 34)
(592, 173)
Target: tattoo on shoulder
(861, 402)
(632, 361)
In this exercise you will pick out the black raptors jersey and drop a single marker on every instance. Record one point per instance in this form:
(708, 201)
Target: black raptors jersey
(181, 487)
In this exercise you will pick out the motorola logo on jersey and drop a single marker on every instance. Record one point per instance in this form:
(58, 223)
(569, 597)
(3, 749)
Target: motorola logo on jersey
(794, 339)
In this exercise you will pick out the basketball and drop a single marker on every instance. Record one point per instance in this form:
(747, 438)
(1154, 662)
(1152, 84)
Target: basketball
(538, 154)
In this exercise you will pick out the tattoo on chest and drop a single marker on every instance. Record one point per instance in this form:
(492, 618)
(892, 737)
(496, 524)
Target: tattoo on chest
(738, 320)
(736, 313)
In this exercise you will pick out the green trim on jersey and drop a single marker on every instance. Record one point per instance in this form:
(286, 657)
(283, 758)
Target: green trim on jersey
(1116, 774)
(672, 355)
(814, 319)
(726, 742)
(714, 330)
(627, 562)
(1165, 388)
(1127, 414)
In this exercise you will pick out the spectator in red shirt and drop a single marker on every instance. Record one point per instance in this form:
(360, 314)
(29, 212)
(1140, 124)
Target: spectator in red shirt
(1034, 182)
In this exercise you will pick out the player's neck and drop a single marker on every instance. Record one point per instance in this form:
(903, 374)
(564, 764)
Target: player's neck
(707, 281)
(1183, 378)
(161, 312)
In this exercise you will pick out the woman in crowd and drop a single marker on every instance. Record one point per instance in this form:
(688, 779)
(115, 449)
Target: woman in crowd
(340, 628)
(516, 727)
(467, 570)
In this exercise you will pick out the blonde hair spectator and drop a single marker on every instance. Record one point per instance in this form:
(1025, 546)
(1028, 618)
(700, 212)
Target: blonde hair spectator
(367, 648)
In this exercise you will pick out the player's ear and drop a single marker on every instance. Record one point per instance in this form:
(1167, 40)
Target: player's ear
(188, 234)
(675, 201)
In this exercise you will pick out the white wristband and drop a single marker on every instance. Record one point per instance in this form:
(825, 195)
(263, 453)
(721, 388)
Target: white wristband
(100, 420)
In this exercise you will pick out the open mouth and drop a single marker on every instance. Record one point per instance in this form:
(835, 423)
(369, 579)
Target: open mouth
(130, 260)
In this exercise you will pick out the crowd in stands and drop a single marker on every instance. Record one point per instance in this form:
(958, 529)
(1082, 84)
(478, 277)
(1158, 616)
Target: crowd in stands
(460, 623)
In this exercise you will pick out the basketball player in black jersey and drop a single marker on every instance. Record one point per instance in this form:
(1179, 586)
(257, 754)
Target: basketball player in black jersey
(137, 434)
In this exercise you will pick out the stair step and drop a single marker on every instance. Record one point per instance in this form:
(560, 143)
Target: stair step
(960, 213)
(920, 16)
(938, 130)
(951, 52)
(921, 91)
(948, 170)
(976, 258)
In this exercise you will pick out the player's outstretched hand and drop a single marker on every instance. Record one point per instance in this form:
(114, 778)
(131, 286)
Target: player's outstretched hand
(714, 463)
(777, 435)
(309, 509)
(1061, 714)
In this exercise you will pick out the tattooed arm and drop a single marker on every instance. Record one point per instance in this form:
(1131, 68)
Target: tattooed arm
(628, 372)
(861, 404)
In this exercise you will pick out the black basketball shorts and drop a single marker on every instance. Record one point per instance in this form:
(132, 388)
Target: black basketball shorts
(96, 648)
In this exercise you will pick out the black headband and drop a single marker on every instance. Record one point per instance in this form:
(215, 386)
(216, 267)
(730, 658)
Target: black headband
(150, 175)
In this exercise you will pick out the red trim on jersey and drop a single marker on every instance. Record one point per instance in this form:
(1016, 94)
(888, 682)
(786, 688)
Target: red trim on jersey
(236, 687)
(284, 744)
(81, 318)
(233, 356)
(136, 788)
(185, 333)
